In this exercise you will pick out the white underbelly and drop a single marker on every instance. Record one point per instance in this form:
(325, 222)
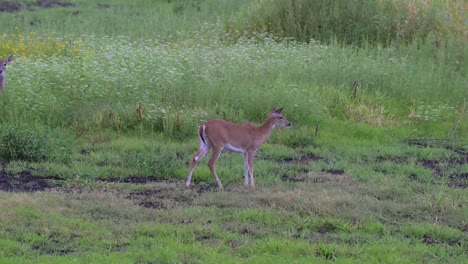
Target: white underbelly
(233, 149)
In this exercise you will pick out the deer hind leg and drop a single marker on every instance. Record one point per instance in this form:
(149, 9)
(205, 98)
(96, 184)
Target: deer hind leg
(204, 148)
(246, 169)
(211, 164)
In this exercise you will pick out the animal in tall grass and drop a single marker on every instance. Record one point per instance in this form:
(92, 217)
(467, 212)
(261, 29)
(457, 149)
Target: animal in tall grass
(3, 66)
(217, 135)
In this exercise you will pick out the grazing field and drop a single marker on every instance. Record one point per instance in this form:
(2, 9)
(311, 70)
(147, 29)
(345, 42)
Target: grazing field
(99, 124)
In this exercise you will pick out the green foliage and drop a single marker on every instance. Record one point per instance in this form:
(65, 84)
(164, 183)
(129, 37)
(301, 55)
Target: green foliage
(372, 226)
(19, 142)
(11, 248)
(351, 22)
(179, 86)
(300, 138)
(153, 162)
(433, 233)
(180, 125)
(132, 80)
(168, 20)
(22, 144)
(327, 252)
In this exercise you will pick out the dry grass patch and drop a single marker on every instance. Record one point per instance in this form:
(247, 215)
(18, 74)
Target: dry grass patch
(322, 194)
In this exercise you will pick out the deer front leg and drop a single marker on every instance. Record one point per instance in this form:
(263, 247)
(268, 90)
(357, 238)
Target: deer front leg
(251, 166)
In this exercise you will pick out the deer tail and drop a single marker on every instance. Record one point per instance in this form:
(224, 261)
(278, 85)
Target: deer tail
(202, 134)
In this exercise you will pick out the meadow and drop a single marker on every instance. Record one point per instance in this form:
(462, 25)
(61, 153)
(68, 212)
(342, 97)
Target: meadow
(101, 107)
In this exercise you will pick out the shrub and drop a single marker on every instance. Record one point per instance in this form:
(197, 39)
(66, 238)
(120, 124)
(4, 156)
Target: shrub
(18, 142)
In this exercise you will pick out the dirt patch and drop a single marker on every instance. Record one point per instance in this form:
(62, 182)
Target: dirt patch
(458, 180)
(381, 159)
(308, 157)
(11, 7)
(336, 171)
(428, 240)
(298, 178)
(166, 193)
(442, 168)
(102, 6)
(199, 187)
(52, 3)
(25, 182)
(149, 198)
(330, 178)
(326, 228)
(326, 176)
(135, 180)
(301, 159)
(451, 144)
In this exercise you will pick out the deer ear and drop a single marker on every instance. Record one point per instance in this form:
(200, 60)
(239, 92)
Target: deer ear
(274, 109)
(279, 110)
(10, 58)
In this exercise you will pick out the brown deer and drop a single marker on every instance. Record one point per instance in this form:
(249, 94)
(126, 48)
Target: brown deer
(219, 134)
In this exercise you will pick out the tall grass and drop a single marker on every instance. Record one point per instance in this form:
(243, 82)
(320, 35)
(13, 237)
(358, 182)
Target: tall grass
(148, 80)
(133, 79)
(418, 28)
(354, 22)
(99, 81)
(168, 20)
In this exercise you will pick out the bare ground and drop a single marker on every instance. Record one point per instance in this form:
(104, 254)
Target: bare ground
(12, 6)
(169, 189)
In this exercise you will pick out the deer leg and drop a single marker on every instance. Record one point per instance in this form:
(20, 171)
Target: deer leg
(198, 156)
(246, 169)
(251, 166)
(211, 164)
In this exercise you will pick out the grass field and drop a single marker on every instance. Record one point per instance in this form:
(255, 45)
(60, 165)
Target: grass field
(100, 113)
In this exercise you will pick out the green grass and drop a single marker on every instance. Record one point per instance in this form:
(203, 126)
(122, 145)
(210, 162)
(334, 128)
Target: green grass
(169, 20)
(104, 104)
(178, 86)
(345, 221)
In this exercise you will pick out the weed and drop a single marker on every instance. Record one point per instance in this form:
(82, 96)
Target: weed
(18, 142)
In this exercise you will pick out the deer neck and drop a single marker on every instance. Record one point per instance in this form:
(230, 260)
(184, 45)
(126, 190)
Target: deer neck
(267, 128)
(2, 80)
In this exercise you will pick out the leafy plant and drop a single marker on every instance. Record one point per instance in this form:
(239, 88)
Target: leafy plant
(19, 142)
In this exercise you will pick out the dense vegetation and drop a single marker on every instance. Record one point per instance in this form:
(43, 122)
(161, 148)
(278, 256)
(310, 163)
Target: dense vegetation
(103, 100)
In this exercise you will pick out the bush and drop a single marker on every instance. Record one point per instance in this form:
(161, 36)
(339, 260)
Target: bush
(18, 142)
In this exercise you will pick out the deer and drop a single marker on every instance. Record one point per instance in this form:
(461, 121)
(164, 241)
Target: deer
(3, 65)
(218, 134)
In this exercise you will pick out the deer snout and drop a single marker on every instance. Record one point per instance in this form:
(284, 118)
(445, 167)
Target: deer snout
(288, 125)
